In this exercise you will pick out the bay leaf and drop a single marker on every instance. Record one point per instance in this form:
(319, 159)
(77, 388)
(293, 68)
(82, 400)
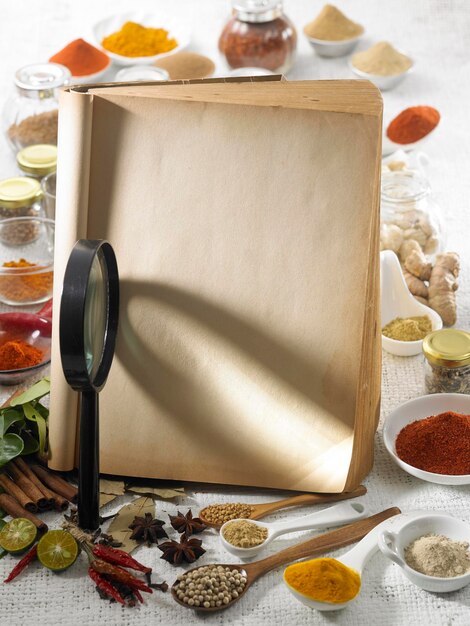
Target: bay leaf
(106, 498)
(112, 487)
(119, 527)
(166, 493)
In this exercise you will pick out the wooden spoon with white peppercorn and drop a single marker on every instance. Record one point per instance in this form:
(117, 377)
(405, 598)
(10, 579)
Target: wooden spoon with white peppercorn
(257, 511)
(250, 572)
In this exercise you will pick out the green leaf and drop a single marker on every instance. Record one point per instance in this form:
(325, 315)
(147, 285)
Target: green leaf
(9, 417)
(10, 446)
(40, 389)
(33, 415)
(31, 444)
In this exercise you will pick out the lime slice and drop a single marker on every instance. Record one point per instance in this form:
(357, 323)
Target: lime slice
(57, 550)
(18, 535)
(2, 550)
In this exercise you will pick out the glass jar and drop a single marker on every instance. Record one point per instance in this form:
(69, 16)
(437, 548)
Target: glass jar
(447, 361)
(409, 212)
(31, 115)
(259, 35)
(20, 197)
(38, 161)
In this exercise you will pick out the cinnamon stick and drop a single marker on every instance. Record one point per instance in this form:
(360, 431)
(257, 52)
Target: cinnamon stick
(28, 487)
(14, 508)
(30, 475)
(55, 482)
(17, 493)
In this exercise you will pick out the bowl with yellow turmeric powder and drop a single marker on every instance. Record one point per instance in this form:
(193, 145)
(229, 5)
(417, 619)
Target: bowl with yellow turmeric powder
(26, 260)
(139, 38)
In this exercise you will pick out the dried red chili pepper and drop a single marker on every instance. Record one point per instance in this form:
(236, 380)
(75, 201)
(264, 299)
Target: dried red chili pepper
(105, 585)
(138, 595)
(27, 321)
(119, 557)
(119, 575)
(23, 564)
(46, 310)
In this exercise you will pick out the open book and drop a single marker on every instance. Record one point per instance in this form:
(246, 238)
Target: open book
(245, 221)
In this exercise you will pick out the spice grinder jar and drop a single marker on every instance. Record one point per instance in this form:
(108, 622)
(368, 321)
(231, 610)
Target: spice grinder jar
(447, 361)
(259, 35)
(31, 115)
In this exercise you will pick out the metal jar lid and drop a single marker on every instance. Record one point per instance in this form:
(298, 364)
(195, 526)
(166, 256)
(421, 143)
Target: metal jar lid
(447, 347)
(19, 192)
(257, 10)
(39, 159)
(39, 80)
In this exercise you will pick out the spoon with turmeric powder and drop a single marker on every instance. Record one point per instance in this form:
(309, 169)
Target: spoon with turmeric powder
(217, 586)
(329, 584)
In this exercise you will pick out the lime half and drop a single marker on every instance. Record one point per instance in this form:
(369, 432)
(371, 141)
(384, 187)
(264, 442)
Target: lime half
(18, 535)
(57, 550)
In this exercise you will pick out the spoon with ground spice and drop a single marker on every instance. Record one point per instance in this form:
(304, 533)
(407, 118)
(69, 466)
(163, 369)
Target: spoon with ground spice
(245, 538)
(214, 587)
(330, 584)
(215, 515)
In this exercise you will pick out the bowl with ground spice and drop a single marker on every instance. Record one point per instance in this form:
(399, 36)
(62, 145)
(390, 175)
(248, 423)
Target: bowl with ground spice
(332, 34)
(429, 438)
(26, 260)
(139, 38)
(25, 347)
(382, 64)
(432, 551)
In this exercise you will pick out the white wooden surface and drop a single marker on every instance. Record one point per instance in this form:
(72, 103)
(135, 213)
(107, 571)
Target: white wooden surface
(436, 33)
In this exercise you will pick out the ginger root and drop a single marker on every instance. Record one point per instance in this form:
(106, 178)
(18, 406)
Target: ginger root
(443, 285)
(416, 286)
(417, 265)
(391, 237)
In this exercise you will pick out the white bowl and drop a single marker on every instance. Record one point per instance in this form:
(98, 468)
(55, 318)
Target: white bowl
(110, 25)
(393, 544)
(333, 48)
(397, 301)
(417, 409)
(389, 146)
(384, 83)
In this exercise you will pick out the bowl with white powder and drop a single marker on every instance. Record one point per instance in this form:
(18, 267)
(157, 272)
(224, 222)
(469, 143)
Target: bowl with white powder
(432, 551)
(382, 64)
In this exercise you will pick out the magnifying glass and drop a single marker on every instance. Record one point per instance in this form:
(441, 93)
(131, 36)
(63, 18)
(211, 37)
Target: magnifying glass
(89, 312)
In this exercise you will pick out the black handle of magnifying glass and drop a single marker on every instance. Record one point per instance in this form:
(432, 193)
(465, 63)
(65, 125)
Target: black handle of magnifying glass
(88, 485)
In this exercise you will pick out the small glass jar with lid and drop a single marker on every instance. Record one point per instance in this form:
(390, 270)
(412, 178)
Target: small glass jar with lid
(447, 361)
(20, 197)
(259, 35)
(38, 161)
(31, 115)
(409, 212)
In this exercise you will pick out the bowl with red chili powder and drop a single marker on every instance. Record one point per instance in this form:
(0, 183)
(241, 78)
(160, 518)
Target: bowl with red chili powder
(85, 62)
(429, 437)
(410, 128)
(25, 348)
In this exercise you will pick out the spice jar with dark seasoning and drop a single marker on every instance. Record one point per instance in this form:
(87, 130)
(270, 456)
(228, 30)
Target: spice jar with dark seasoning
(447, 362)
(20, 197)
(31, 115)
(259, 35)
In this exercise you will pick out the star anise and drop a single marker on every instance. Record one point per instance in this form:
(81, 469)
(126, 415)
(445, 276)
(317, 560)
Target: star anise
(147, 529)
(187, 524)
(188, 550)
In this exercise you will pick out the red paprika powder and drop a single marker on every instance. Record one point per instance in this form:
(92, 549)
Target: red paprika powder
(438, 444)
(81, 58)
(17, 354)
(413, 124)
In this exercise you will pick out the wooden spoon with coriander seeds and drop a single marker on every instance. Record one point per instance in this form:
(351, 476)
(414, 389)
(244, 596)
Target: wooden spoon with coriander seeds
(215, 515)
(239, 578)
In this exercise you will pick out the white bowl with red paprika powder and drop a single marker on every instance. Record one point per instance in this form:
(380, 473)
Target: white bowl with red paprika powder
(427, 433)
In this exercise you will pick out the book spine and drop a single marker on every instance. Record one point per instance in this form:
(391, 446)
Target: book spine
(73, 173)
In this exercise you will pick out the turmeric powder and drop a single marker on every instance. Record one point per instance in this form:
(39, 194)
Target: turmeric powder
(26, 283)
(135, 40)
(324, 580)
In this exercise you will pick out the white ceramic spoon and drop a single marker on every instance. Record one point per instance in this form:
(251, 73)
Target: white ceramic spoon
(357, 557)
(337, 515)
(397, 301)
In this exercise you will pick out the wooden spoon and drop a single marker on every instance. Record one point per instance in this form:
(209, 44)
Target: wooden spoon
(313, 547)
(261, 510)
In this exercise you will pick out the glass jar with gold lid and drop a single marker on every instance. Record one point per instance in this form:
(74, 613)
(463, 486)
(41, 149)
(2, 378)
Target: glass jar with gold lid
(38, 161)
(447, 362)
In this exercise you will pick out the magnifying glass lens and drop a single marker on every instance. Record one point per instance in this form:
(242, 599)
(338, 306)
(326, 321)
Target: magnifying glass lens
(96, 314)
